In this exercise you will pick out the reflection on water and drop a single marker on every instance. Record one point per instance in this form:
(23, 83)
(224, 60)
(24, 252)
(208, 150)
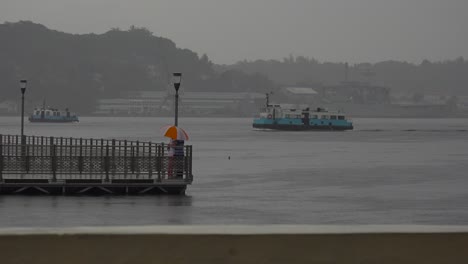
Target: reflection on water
(174, 201)
(93, 210)
(386, 171)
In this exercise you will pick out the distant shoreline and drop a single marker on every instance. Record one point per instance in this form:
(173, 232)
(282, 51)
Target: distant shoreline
(408, 116)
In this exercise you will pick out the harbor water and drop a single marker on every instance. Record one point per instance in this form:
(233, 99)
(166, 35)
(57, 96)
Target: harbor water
(385, 171)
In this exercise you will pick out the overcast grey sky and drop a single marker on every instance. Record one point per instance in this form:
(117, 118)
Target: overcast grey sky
(229, 31)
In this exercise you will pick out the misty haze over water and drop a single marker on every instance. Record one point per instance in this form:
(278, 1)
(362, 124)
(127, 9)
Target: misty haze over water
(386, 171)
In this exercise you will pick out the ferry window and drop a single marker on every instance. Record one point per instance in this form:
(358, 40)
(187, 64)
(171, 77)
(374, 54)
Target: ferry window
(287, 116)
(47, 113)
(333, 117)
(298, 116)
(314, 116)
(324, 117)
(340, 117)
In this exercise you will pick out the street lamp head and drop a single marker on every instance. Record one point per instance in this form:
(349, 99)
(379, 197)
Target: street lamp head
(177, 79)
(23, 84)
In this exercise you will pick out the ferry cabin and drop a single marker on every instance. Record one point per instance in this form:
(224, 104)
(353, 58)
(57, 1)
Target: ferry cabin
(51, 113)
(276, 116)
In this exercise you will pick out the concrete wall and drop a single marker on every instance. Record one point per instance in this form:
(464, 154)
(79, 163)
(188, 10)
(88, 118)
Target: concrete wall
(237, 244)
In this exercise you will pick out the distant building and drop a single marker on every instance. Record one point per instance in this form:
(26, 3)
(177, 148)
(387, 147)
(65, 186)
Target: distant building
(132, 104)
(355, 92)
(462, 103)
(300, 95)
(8, 107)
(190, 103)
(224, 103)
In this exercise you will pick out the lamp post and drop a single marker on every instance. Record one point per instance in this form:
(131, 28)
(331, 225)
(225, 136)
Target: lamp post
(23, 84)
(177, 79)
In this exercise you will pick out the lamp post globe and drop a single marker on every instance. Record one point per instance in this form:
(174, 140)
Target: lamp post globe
(176, 79)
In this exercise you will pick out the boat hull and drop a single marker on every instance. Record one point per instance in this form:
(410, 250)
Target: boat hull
(299, 124)
(302, 127)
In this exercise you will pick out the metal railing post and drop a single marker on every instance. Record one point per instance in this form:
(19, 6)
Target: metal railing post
(158, 161)
(107, 163)
(113, 163)
(190, 165)
(53, 157)
(149, 162)
(26, 159)
(80, 157)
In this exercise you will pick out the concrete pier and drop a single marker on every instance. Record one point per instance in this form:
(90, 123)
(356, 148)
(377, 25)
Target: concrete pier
(277, 244)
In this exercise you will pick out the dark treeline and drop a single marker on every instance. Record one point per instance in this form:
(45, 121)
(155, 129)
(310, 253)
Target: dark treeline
(444, 78)
(74, 71)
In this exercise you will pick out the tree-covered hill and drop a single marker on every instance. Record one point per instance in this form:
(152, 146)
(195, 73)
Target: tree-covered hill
(69, 70)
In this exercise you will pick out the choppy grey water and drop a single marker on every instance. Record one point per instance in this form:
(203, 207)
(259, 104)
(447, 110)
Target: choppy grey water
(386, 171)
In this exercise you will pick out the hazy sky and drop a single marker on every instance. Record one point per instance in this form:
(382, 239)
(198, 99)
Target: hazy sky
(229, 31)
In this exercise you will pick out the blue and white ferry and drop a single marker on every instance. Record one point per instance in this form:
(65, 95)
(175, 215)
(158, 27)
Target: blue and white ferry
(279, 117)
(52, 115)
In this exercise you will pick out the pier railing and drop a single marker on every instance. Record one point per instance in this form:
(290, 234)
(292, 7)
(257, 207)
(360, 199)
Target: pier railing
(74, 159)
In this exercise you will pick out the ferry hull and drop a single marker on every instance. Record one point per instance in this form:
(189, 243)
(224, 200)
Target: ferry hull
(277, 117)
(302, 127)
(52, 115)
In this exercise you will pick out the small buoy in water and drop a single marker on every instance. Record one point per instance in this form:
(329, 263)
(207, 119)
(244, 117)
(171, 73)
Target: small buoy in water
(229, 157)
